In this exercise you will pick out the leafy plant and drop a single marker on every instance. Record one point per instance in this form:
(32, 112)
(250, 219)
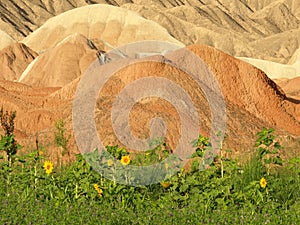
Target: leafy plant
(158, 152)
(117, 152)
(8, 142)
(268, 148)
(61, 139)
(201, 144)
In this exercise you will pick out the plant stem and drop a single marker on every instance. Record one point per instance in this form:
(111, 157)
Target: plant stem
(221, 158)
(76, 191)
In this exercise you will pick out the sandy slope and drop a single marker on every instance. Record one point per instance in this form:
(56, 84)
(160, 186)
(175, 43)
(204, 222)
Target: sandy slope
(29, 103)
(238, 27)
(19, 18)
(290, 86)
(275, 70)
(260, 4)
(14, 60)
(114, 25)
(231, 26)
(295, 58)
(278, 71)
(60, 65)
(5, 39)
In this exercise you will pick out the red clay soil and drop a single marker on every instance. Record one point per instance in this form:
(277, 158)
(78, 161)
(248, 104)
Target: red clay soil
(252, 101)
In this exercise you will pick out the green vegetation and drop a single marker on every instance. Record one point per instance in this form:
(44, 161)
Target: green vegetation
(264, 190)
(61, 139)
(8, 142)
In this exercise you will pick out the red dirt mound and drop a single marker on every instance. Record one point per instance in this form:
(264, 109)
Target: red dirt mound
(252, 101)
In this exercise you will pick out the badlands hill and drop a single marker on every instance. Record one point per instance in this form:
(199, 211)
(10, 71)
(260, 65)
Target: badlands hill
(257, 29)
(14, 60)
(65, 44)
(232, 26)
(97, 22)
(49, 62)
(60, 65)
(30, 105)
(20, 18)
(249, 107)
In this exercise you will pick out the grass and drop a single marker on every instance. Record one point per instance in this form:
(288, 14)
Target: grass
(225, 193)
(36, 212)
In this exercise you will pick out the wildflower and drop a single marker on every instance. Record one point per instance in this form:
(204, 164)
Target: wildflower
(165, 184)
(98, 189)
(166, 166)
(110, 162)
(41, 152)
(48, 166)
(148, 153)
(125, 160)
(263, 182)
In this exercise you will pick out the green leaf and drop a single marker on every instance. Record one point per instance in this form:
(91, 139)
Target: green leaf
(295, 160)
(278, 161)
(277, 145)
(268, 161)
(275, 151)
(184, 188)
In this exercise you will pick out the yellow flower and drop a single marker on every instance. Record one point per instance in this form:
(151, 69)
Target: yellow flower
(148, 153)
(166, 166)
(48, 166)
(41, 152)
(110, 162)
(98, 189)
(96, 186)
(165, 184)
(263, 182)
(125, 160)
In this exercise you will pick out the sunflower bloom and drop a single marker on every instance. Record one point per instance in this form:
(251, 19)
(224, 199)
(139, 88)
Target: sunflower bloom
(165, 184)
(48, 167)
(98, 189)
(263, 182)
(125, 160)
